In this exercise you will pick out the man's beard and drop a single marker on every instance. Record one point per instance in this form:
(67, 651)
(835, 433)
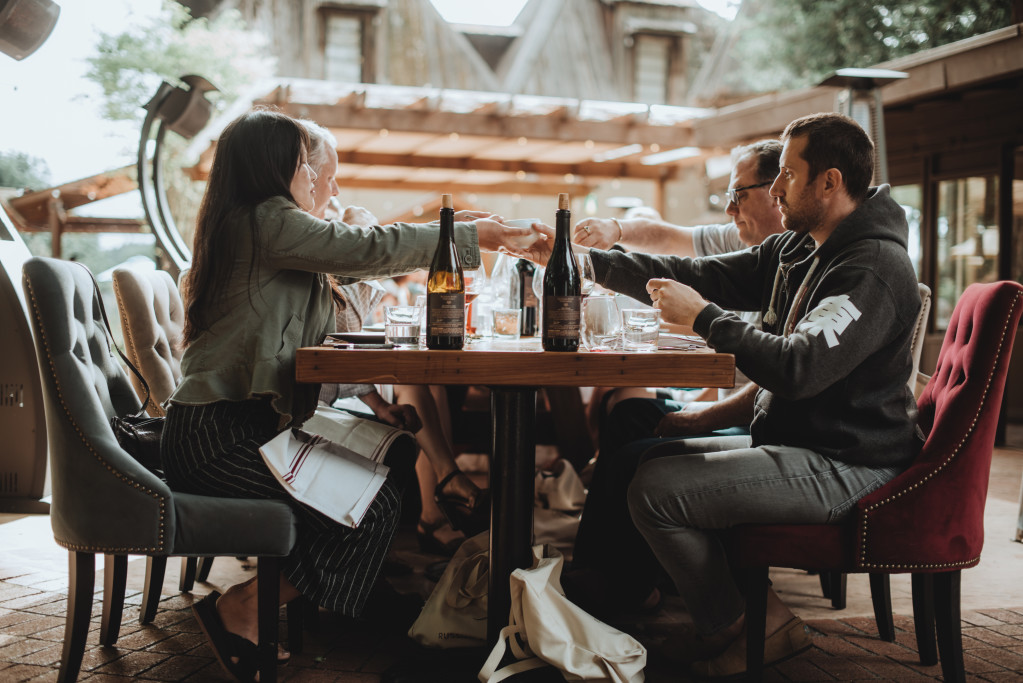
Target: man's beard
(808, 216)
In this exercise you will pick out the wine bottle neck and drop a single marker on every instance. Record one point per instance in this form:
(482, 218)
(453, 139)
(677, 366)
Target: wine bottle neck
(562, 220)
(447, 223)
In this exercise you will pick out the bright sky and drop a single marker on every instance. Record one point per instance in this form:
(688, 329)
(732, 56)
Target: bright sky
(50, 111)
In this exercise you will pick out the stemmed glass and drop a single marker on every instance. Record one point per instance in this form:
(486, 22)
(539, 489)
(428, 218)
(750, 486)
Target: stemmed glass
(475, 280)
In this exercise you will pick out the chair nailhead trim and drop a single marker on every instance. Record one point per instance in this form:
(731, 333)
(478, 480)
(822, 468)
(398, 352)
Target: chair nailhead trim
(161, 500)
(864, 519)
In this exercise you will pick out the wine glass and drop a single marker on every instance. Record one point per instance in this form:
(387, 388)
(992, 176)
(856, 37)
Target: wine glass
(585, 272)
(475, 280)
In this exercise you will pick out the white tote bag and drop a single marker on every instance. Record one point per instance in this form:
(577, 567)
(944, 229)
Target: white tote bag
(455, 614)
(546, 628)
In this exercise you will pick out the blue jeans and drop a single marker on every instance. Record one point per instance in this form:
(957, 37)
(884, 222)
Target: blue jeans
(686, 491)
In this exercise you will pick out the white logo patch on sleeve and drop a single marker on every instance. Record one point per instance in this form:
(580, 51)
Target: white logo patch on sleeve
(831, 317)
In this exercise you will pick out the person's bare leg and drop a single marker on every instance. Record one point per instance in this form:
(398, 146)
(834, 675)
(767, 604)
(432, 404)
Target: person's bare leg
(237, 607)
(433, 442)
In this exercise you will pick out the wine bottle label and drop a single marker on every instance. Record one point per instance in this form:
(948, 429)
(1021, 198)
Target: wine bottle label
(562, 316)
(445, 314)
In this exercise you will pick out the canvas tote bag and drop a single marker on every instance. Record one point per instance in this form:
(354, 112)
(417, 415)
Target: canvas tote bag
(455, 614)
(546, 628)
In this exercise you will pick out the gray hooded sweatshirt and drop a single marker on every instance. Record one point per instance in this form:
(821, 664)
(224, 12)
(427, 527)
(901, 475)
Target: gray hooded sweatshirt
(833, 357)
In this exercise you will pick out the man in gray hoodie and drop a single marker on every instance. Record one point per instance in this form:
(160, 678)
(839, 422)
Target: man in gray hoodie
(834, 418)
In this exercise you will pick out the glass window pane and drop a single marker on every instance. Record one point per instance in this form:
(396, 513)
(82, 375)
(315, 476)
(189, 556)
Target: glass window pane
(967, 239)
(343, 52)
(911, 199)
(652, 54)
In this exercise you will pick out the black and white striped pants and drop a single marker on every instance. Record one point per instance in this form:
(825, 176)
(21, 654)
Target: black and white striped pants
(214, 450)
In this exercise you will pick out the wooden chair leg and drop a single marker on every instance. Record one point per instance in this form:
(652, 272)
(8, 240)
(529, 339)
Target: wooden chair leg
(268, 572)
(202, 569)
(156, 568)
(296, 613)
(115, 575)
(187, 578)
(81, 581)
(923, 618)
(756, 622)
(949, 626)
(881, 596)
(838, 584)
(825, 579)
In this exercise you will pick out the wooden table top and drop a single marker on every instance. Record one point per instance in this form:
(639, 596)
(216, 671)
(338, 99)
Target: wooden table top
(516, 363)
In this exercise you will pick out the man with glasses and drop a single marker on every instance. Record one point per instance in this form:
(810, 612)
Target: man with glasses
(753, 212)
(613, 568)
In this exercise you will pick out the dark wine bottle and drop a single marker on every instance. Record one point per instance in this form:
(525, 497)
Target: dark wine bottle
(445, 290)
(562, 289)
(527, 297)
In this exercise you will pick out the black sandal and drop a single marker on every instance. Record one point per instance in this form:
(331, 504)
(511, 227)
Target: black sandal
(470, 519)
(227, 645)
(426, 534)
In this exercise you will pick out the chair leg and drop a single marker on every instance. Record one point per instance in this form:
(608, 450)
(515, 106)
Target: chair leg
(881, 596)
(923, 618)
(202, 569)
(296, 613)
(756, 622)
(187, 578)
(156, 568)
(81, 581)
(838, 584)
(825, 579)
(268, 608)
(950, 629)
(115, 575)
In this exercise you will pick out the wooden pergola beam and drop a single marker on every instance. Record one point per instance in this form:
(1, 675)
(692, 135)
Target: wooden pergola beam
(588, 169)
(478, 188)
(34, 206)
(88, 224)
(557, 128)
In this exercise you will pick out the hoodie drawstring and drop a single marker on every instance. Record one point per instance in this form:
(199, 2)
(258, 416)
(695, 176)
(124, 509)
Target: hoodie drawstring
(790, 323)
(771, 317)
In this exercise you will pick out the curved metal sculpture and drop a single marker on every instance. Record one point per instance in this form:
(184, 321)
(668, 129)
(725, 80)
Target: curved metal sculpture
(184, 112)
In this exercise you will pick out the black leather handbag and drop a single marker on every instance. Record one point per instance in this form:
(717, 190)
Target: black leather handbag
(138, 433)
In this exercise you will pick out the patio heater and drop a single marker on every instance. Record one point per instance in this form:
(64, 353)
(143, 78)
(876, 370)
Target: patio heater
(23, 482)
(860, 100)
(25, 25)
(184, 112)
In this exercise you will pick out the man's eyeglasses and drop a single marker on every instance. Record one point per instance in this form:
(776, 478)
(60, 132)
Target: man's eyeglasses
(733, 194)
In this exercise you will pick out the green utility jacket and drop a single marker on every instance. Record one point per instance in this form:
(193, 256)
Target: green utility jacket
(248, 351)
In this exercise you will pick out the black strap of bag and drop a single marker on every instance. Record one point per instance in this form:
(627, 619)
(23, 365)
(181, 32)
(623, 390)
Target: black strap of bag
(138, 433)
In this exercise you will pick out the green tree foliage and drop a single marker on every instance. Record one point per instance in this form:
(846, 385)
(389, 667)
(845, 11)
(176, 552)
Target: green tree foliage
(20, 170)
(784, 44)
(129, 66)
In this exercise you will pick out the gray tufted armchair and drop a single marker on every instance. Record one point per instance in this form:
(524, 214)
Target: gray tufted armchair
(152, 322)
(103, 500)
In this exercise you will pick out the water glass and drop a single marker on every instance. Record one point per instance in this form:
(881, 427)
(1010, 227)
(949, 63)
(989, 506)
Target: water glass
(421, 304)
(402, 325)
(640, 327)
(506, 323)
(601, 323)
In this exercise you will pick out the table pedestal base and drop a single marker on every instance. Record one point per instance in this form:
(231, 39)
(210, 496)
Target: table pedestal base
(513, 414)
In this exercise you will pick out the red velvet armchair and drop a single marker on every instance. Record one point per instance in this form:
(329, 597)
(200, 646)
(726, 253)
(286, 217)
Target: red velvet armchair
(928, 521)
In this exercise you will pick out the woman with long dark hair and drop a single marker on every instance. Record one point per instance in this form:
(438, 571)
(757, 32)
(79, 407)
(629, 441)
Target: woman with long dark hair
(258, 290)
